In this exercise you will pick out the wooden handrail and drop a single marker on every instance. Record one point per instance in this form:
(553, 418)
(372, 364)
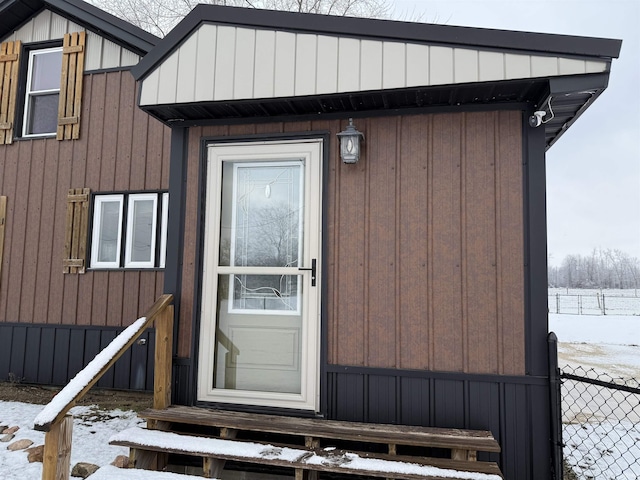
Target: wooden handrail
(54, 420)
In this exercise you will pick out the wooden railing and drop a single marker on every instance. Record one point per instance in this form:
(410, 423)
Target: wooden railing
(54, 418)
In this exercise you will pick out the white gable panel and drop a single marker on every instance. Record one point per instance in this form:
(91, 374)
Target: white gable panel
(205, 66)
(244, 63)
(100, 53)
(284, 67)
(187, 65)
(370, 65)
(306, 60)
(393, 70)
(327, 69)
(222, 63)
(465, 65)
(265, 64)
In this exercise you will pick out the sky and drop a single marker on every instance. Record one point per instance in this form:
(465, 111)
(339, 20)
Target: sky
(593, 171)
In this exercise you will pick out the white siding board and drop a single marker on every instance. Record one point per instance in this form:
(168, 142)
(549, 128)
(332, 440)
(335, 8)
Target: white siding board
(41, 27)
(440, 65)
(110, 54)
(570, 66)
(187, 66)
(595, 67)
(544, 66)
(264, 64)
(348, 65)
(59, 26)
(244, 63)
(517, 66)
(168, 81)
(205, 63)
(491, 66)
(306, 54)
(327, 81)
(394, 66)
(417, 65)
(128, 58)
(284, 72)
(370, 65)
(465, 65)
(149, 88)
(93, 56)
(225, 56)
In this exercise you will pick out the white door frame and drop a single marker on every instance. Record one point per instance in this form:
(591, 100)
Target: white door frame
(310, 152)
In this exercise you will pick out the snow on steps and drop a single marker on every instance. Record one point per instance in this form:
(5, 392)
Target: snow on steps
(327, 460)
(110, 472)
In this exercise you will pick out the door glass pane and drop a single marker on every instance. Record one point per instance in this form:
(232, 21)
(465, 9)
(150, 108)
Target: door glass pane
(262, 207)
(142, 234)
(109, 231)
(258, 348)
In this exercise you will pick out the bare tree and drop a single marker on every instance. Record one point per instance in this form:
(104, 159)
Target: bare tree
(160, 16)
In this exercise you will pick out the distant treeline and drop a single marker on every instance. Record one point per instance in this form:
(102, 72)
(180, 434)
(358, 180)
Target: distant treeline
(601, 269)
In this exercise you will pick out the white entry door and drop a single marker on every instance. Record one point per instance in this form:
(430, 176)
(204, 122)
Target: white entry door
(260, 319)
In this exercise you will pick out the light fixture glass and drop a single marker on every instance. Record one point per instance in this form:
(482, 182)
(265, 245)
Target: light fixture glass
(350, 143)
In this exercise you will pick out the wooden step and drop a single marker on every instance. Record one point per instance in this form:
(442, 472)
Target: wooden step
(110, 472)
(448, 438)
(142, 441)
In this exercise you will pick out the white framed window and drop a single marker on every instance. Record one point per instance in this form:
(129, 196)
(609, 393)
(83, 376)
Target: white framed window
(42, 93)
(140, 248)
(107, 231)
(135, 239)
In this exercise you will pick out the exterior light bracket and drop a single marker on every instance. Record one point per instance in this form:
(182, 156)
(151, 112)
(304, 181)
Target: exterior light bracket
(350, 143)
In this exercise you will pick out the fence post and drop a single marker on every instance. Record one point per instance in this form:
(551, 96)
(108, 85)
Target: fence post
(555, 400)
(604, 308)
(163, 359)
(557, 303)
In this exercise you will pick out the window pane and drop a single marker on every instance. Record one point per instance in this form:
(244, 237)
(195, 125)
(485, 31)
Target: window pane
(43, 114)
(109, 229)
(47, 67)
(143, 212)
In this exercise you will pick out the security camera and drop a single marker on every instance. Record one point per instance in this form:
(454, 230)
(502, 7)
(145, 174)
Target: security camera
(535, 120)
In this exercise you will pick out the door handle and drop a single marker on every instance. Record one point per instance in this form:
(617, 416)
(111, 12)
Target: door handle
(312, 270)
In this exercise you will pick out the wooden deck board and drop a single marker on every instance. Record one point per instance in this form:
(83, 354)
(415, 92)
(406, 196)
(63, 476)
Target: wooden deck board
(320, 428)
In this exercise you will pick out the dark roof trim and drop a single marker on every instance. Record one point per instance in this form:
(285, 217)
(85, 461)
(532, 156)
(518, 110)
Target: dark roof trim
(14, 13)
(380, 29)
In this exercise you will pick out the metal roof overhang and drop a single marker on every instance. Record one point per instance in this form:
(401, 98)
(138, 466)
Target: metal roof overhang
(568, 97)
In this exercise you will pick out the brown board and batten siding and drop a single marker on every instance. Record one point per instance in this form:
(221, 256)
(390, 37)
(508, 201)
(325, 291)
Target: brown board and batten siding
(424, 248)
(120, 149)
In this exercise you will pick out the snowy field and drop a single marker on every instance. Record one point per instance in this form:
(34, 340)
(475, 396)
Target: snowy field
(597, 444)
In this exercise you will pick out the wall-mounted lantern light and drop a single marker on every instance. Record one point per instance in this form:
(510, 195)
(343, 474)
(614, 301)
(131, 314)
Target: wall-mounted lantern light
(350, 143)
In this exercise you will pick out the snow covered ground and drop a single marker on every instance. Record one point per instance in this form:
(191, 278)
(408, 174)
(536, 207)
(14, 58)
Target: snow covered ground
(598, 445)
(598, 449)
(91, 432)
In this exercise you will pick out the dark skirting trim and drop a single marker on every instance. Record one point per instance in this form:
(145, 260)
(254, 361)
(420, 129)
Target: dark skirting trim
(53, 354)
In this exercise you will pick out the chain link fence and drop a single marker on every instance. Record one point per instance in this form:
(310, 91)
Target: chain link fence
(600, 425)
(594, 304)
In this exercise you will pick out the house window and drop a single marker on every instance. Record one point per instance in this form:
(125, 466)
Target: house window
(42, 92)
(129, 230)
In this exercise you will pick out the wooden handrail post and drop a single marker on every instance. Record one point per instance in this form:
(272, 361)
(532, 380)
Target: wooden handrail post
(56, 459)
(163, 359)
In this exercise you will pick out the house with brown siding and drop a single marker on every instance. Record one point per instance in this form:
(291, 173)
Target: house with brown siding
(405, 284)
(72, 136)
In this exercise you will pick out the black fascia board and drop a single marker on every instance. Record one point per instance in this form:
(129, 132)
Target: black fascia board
(455, 36)
(109, 26)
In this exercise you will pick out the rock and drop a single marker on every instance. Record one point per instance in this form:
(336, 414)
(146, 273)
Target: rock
(83, 470)
(121, 461)
(35, 454)
(20, 444)
(7, 438)
(11, 430)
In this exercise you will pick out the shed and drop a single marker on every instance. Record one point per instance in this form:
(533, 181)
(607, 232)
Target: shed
(407, 288)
